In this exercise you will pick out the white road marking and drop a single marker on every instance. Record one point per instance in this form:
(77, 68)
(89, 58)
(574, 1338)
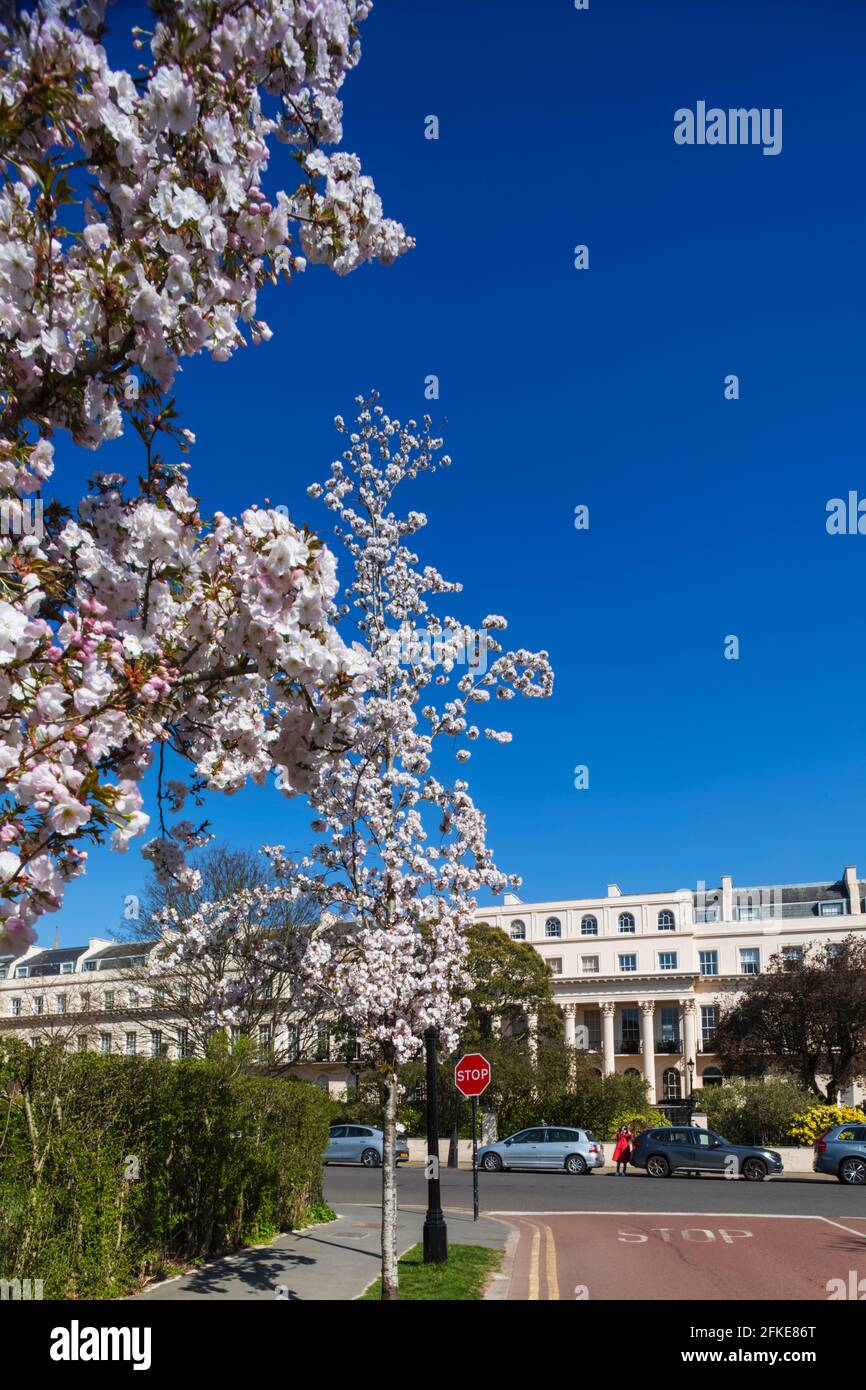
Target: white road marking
(753, 1215)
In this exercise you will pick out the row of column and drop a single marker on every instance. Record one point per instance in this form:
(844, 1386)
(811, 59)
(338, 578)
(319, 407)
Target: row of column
(647, 1033)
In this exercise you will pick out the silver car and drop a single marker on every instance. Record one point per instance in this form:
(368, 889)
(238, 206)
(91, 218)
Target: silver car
(569, 1150)
(360, 1144)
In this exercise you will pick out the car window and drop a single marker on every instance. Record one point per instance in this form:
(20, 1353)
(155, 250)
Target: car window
(534, 1136)
(677, 1136)
(563, 1136)
(358, 1132)
(339, 1131)
(852, 1134)
(704, 1139)
(522, 1137)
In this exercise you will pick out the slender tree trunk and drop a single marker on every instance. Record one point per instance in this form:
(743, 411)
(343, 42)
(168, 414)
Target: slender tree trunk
(390, 1288)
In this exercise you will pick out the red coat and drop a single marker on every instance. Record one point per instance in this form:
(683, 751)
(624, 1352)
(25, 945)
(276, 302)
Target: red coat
(623, 1145)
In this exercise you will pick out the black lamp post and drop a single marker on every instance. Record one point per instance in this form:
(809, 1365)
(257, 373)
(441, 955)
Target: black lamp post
(435, 1229)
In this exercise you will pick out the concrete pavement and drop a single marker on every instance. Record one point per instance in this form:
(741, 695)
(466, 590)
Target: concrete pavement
(336, 1261)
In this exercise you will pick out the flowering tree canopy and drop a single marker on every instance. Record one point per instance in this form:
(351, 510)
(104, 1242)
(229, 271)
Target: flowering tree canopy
(401, 847)
(134, 230)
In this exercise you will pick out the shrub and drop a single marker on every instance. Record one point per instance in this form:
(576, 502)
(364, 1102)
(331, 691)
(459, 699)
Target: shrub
(114, 1168)
(805, 1128)
(638, 1120)
(753, 1111)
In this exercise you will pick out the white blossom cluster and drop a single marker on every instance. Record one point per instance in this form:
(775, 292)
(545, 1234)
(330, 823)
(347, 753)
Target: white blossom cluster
(134, 229)
(401, 848)
(139, 626)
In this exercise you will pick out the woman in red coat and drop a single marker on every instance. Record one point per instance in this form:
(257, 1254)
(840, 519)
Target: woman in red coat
(622, 1148)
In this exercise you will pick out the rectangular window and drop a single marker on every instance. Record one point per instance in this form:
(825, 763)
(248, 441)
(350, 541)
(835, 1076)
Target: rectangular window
(16, 1008)
(750, 960)
(592, 1024)
(630, 1026)
(109, 999)
(89, 965)
(709, 1022)
(38, 1003)
(832, 909)
(709, 962)
(182, 1042)
(105, 1042)
(323, 1043)
(21, 972)
(667, 960)
(749, 912)
(293, 1042)
(155, 1042)
(61, 1003)
(555, 963)
(628, 963)
(589, 965)
(264, 1039)
(670, 1028)
(66, 967)
(82, 1042)
(792, 954)
(131, 1044)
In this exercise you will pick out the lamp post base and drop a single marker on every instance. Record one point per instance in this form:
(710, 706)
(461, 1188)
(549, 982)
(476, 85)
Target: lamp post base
(435, 1239)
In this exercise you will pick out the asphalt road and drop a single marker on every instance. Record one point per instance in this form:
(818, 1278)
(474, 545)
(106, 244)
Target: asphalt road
(794, 1195)
(693, 1239)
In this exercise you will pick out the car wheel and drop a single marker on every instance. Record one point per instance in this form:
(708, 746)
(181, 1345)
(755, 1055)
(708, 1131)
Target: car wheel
(852, 1170)
(370, 1159)
(657, 1166)
(754, 1170)
(575, 1164)
(491, 1163)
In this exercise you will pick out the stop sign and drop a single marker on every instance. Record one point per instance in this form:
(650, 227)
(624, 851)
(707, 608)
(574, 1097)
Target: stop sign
(472, 1074)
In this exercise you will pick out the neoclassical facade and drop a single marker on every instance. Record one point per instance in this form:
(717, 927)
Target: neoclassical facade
(639, 977)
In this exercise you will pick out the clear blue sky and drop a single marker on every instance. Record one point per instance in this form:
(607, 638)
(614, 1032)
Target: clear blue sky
(707, 516)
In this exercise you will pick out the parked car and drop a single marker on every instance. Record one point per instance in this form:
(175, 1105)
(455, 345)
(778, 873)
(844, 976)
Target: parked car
(361, 1144)
(842, 1150)
(694, 1150)
(573, 1150)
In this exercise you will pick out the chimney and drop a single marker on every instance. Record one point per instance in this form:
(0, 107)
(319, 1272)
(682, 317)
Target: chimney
(614, 890)
(510, 899)
(727, 898)
(852, 888)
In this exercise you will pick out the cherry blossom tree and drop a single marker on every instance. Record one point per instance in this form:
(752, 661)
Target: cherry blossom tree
(134, 231)
(400, 848)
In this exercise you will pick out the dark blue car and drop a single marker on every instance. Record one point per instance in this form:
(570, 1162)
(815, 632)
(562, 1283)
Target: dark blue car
(689, 1149)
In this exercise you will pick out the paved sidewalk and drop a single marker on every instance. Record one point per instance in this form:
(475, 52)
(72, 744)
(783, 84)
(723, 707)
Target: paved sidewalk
(333, 1262)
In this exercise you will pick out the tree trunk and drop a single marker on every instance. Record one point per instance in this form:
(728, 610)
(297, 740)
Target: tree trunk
(390, 1289)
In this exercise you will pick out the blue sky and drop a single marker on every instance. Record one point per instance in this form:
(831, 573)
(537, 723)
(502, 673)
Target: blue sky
(601, 387)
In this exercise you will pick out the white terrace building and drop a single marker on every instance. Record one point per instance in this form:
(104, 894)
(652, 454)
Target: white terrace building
(641, 975)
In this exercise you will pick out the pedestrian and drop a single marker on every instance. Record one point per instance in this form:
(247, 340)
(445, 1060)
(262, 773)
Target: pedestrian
(622, 1148)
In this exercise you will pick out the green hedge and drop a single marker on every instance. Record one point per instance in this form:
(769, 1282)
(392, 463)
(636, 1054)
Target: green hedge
(114, 1169)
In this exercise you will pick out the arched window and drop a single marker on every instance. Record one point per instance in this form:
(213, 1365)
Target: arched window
(631, 1071)
(711, 1076)
(553, 927)
(667, 921)
(671, 1088)
(518, 930)
(589, 925)
(626, 922)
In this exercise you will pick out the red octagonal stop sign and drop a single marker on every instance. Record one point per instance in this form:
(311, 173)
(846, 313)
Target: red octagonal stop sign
(472, 1074)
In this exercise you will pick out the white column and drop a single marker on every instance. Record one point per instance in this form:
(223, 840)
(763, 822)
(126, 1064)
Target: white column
(690, 1036)
(648, 1046)
(570, 1011)
(532, 1022)
(607, 1009)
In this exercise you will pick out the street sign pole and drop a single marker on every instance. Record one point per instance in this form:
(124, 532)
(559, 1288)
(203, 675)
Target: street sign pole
(472, 1077)
(474, 1158)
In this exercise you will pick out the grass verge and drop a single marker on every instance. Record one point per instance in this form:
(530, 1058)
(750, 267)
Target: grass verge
(460, 1279)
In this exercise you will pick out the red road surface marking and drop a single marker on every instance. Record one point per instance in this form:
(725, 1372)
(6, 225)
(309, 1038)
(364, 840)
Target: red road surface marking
(689, 1257)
